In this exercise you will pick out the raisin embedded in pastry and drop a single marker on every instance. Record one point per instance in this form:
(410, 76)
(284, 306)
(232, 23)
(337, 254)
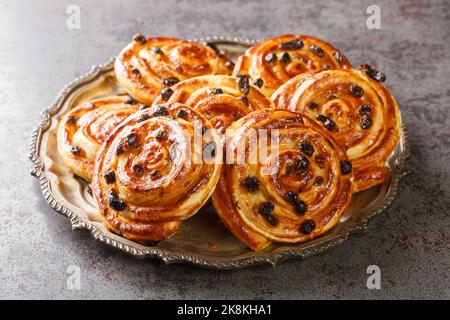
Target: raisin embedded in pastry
(221, 99)
(294, 194)
(148, 176)
(356, 109)
(148, 67)
(272, 62)
(83, 129)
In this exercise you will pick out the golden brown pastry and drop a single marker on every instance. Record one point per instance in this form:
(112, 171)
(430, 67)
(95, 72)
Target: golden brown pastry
(356, 109)
(272, 62)
(296, 193)
(83, 129)
(149, 176)
(148, 67)
(221, 99)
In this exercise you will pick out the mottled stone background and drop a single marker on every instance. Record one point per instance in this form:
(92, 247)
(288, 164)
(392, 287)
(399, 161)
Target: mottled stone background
(410, 241)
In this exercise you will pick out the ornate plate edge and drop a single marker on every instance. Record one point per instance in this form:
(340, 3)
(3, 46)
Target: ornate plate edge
(161, 253)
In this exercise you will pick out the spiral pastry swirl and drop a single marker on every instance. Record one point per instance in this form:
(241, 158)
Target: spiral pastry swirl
(221, 99)
(149, 66)
(274, 61)
(296, 193)
(147, 178)
(356, 109)
(83, 129)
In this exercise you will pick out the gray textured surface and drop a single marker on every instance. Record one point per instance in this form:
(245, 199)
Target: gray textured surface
(410, 241)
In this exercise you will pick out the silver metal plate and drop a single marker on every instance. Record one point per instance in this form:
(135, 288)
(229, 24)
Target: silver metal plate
(202, 240)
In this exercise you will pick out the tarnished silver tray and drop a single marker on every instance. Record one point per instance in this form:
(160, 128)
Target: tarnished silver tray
(202, 240)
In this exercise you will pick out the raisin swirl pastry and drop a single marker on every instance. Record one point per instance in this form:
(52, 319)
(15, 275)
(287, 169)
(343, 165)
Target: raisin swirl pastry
(298, 192)
(149, 66)
(147, 178)
(83, 129)
(272, 62)
(356, 109)
(221, 99)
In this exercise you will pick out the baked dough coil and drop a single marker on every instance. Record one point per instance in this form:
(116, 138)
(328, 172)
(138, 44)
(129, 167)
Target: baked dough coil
(83, 129)
(149, 66)
(298, 191)
(221, 99)
(272, 62)
(150, 174)
(356, 109)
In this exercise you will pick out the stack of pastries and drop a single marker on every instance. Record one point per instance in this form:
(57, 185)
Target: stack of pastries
(183, 135)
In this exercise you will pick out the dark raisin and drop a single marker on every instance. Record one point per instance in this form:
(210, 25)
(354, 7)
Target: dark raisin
(138, 169)
(320, 160)
(318, 51)
(285, 58)
(115, 202)
(346, 167)
(295, 44)
(307, 148)
(330, 125)
(144, 106)
(182, 114)
(318, 181)
(216, 91)
(170, 81)
(75, 150)
(312, 105)
(271, 219)
(72, 119)
(258, 82)
(161, 135)
(365, 122)
(244, 100)
(154, 174)
(271, 57)
(298, 164)
(244, 84)
(307, 227)
(135, 71)
(166, 93)
(213, 46)
(210, 149)
(120, 149)
(321, 118)
(356, 90)
(161, 111)
(129, 100)
(266, 209)
(291, 197)
(157, 50)
(303, 163)
(300, 206)
(143, 118)
(251, 183)
(110, 177)
(338, 56)
(132, 140)
(365, 109)
(373, 73)
(140, 38)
